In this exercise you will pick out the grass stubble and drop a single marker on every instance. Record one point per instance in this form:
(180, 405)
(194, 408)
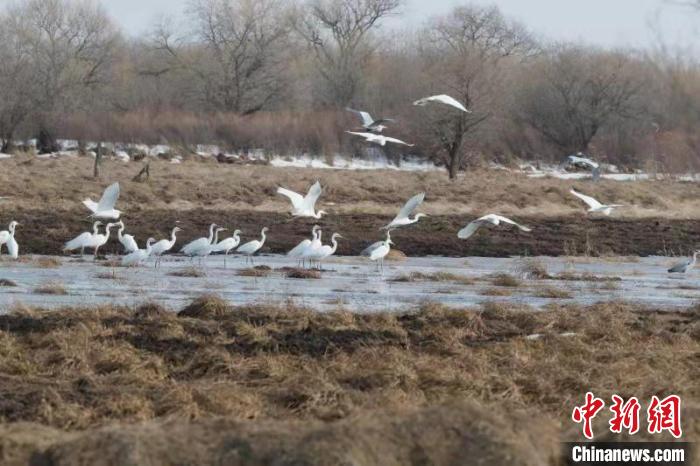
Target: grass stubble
(76, 378)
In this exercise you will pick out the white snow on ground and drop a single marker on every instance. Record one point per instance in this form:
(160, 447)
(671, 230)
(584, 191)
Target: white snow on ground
(377, 161)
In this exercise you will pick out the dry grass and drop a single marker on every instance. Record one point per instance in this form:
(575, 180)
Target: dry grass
(80, 369)
(188, 272)
(552, 293)
(303, 274)
(496, 292)
(434, 277)
(258, 271)
(7, 283)
(178, 186)
(504, 279)
(584, 277)
(51, 288)
(531, 269)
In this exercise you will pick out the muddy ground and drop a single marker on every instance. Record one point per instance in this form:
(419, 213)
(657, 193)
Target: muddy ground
(45, 232)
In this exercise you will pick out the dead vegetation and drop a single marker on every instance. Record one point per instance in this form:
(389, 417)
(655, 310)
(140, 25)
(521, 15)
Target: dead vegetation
(258, 271)
(51, 288)
(552, 293)
(434, 277)
(504, 279)
(7, 283)
(303, 274)
(77, 369)
(188, 272)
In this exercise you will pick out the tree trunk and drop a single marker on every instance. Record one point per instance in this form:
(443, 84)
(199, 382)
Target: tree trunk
(453, 166)
(98, 160)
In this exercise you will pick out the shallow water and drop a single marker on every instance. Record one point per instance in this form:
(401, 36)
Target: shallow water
(348, 282)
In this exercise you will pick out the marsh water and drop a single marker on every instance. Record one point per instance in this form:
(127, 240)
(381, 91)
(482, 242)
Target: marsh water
(350, 282)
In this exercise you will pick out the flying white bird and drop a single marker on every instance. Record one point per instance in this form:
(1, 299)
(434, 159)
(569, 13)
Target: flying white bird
(127, 241)
(7, 238)
(442, 99)
(327, 250)
(227, 245)
(369, 123)
(139, 256)
(100, 240)
(403, 218)
(251, 247)
(304, 206)
(199, 244)
(490, 220)
(83, 240)
(298, 251)
(595, 206)
(379, 250)
(105, 208)
(379, 139)
(685, 265)
(164, 245)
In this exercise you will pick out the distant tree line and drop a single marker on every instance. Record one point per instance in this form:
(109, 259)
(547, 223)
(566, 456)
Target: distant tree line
(276, 75)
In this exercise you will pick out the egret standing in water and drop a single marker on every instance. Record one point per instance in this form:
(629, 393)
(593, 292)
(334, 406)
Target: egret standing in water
(105, 208)
(199, 243)
(327, 250)
(164, 245)
(403, 218)
(251, 247)
(127, 241)
(298, 251)
(379, 250)
(685, 265)
(139, 256)
(83, 240)
(7, 238)
(100, 240)
(227, 245)
(311, 252)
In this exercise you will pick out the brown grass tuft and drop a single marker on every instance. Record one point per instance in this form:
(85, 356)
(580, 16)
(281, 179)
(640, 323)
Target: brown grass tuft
(206, 307)
(51, 288)
(396, 255)
(553, 293)
(188, 272)
(434, 277)
(254, 272)
(303, 273)
(504, 279)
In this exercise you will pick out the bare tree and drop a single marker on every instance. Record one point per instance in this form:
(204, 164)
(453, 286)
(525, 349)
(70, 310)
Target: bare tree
(575, 92)
(338, 31)
(15, 79)
(237, 53)
(464, 54)
(71, 44)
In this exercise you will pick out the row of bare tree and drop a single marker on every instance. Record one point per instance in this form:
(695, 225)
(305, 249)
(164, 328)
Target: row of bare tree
(290, 68)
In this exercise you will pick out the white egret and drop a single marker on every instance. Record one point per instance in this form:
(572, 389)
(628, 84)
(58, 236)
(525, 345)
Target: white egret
(403, 217)
(685, 265)
(199, 243)
(304, 206)
(379, 139)
(164, 245)
(251, 247)
(202, 249)
(298, 251)
(100, 240)
(369, 123)
(442, 99)
(311, 252)
(83, 240)
(327, 250)
(227, 245)
(127, 241)
(105, 208)
(379, 250)
(490, 220)
(595, 206)
(7, 238)
(139, 256)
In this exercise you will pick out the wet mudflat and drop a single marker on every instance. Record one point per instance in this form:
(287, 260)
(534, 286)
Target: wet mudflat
(350, 282)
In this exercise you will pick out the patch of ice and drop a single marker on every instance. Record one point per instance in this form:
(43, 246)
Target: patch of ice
(5, 156)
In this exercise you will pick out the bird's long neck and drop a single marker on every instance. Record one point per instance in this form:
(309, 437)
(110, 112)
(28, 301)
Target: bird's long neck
(95, 228)
(335, 245)
(149, 245)
(119, 232)
(211, 234)
(263, 238)
(236, 236)
(12, 230)
(173, 237)
(216, 237)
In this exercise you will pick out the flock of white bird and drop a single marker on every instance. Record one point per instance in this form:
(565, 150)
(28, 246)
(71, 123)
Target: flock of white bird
(309, 251)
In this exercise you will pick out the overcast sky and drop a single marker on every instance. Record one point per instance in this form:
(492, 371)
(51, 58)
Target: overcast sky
(626, 23)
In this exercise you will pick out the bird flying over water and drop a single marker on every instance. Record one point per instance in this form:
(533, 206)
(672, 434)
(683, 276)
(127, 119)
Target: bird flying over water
(595, 206)
(490, 220)
(403, 217)
(379, 139)
(304, 206)
(105, 208)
